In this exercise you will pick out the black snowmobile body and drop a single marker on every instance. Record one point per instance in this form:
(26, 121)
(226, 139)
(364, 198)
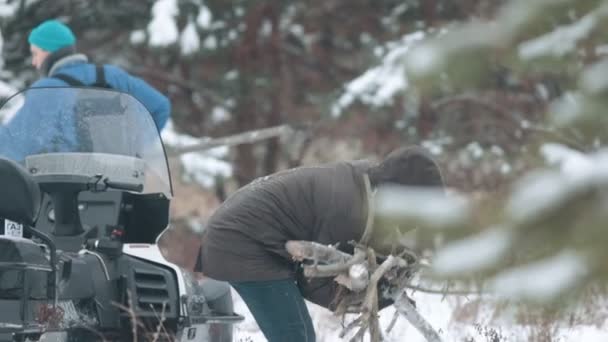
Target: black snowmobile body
(85, 192)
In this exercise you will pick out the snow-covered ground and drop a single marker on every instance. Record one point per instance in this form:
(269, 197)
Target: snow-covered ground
(456, 319)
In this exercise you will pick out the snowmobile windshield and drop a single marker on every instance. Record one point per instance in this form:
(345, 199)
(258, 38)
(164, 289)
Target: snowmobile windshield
(93, 131)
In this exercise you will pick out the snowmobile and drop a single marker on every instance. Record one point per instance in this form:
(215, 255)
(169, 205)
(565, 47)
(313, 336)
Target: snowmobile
(84, 194)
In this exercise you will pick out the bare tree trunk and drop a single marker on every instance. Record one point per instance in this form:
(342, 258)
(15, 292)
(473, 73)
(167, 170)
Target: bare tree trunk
(275, 63)
(252, 55)
(430, 11)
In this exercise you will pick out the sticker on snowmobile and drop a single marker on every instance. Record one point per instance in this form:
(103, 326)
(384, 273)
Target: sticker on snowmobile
(13, 228)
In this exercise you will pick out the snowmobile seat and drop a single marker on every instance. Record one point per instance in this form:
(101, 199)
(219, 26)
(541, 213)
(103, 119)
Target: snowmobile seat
(20, 196)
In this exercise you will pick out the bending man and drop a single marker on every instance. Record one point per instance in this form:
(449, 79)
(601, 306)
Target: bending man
(244, 241)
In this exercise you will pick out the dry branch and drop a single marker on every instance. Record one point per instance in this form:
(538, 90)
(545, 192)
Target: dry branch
(236, 139)
(308, 250)
(333, 262)
(405, 308)
(353, 271)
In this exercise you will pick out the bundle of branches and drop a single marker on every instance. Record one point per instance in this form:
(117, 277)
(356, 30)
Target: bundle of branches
(359, 275)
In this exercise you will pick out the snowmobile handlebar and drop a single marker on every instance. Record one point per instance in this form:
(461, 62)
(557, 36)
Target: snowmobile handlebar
(64, 189)
(136, 187)
(98, 183)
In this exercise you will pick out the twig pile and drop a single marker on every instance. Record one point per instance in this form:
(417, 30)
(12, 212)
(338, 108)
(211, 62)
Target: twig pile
(360, 276)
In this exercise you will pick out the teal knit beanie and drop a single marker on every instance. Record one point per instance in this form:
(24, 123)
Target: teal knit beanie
(51, 36)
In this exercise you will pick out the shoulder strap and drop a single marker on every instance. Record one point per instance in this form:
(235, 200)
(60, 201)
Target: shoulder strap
(71, 81)
(101, 77)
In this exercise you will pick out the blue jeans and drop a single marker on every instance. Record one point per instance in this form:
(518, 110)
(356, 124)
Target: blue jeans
(279, 309)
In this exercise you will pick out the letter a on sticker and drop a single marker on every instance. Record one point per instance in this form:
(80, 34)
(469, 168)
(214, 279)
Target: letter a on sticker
(13, 228)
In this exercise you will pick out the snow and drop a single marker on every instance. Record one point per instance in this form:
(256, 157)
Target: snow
(266, 29)
(545, 190)
(570, 161)
(189, 40)
(474, 318)
(7, 90)
(497, 150)
(601, 49)
(328, 326)
(10, 108)
(297, 30)
(378, 85)
(476, 253)
(542, 280)
(428, 206)
(433, 146)
(1, 48)
(423, 60)
(219, 115)
(475, 149)
(202, 167)
(542, 91)
(162, 29)
(535, 194)
(560, 41)
(210, 43)
(566, 109)
(204, 18)
(231, 75)
(8, 9)
(505, 168)
(233, 35)
(205, 167)
(587, 334)
(137, 37)
(594, 80)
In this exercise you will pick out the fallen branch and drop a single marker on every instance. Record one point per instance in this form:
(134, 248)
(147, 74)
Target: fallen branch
(236, 139)
(441, 292)
(334, 262)
(369, 309)
(309, 250)
(405, 308)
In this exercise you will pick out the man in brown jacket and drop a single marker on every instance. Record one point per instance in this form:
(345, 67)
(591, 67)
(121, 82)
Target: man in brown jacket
(244, 241)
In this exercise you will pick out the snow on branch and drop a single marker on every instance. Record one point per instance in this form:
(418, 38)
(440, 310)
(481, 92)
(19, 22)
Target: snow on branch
(428, 207)
(378, 85)
(564, 39)
(542, 280)
(473, 254)
(162, 30)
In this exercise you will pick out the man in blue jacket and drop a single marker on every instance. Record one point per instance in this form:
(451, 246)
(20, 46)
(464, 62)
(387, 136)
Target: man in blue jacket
(54, 55)
(53, 47)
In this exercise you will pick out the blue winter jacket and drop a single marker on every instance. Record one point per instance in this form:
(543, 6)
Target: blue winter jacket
(158, 104)
(41, 132)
